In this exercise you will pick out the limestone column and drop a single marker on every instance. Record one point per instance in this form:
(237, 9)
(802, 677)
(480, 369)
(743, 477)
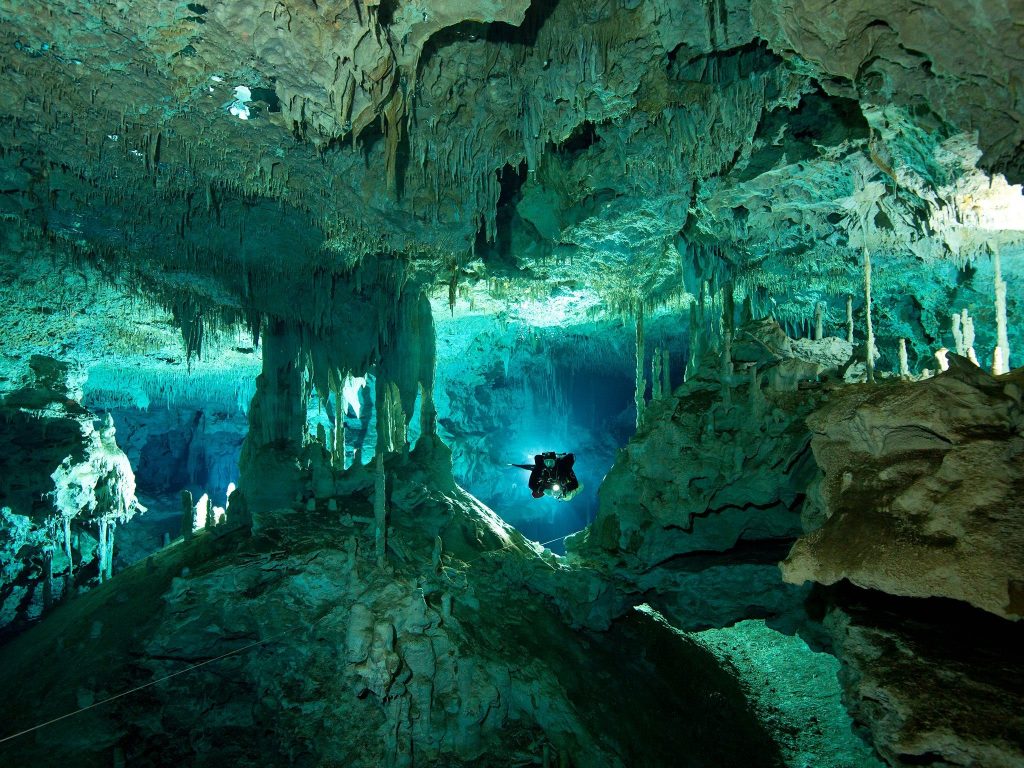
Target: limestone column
(268, 468)
(867, 314)
(1001, 355)
(904, 367)
(380, 512)
(641, 384)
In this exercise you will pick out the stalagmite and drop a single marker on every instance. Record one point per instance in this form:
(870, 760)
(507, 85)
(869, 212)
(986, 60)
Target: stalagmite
(756, 396)
(47, 579)
(666, 373)
(849, 318)
(819, 321)
(338, 449)
(656, 374)
(967, 325)
(111, 528)
(904, 368)
(428, 365)
(187, 516)
(941, 355)
(102, 549)
(694, 330)
(870, 355)
(380, 512)
(958, 336)
(641, 384)
(727, 368)
(1001, 355)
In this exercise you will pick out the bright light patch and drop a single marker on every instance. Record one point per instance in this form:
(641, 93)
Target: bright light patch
(350, 392)
(564, 309)
(201, 511)
(995, 205)
(239, 107)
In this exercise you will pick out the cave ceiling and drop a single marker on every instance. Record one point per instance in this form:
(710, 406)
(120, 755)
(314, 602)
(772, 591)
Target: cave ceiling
(543, 160)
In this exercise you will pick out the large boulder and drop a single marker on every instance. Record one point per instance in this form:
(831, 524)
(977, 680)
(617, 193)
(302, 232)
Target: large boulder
(722, 460)
(932, 683)
(922, 490)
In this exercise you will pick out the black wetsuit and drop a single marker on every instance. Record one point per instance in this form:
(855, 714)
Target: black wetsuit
(544, 478)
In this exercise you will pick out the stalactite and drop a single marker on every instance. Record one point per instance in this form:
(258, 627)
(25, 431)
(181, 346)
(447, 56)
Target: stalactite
(641, 385)
(849, 318)
(867, 314)
(819, 321)
(69, 578)
(904, 368)
(1001, 355)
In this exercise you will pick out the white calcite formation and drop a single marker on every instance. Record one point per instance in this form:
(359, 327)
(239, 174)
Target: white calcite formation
(64, 487)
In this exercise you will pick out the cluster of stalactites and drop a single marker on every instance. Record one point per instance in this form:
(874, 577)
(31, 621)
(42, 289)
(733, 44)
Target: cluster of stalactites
(298, 362)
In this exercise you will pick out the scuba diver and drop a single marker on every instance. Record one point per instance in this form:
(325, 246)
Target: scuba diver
(552, 474)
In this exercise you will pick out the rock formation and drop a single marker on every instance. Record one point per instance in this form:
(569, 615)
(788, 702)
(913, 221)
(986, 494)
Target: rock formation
(331, 659)
(745, 233)
(65, 488)
(922, 487)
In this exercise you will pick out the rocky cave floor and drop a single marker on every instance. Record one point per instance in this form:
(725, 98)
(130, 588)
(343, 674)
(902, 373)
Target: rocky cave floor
(468, 651)
(680, 630)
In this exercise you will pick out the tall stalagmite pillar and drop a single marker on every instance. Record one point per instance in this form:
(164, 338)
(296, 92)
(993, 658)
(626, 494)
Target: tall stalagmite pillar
(641, 384)
(268, 468)
(428, 365)
(1001, 354)
(867, 314)
(384, 433)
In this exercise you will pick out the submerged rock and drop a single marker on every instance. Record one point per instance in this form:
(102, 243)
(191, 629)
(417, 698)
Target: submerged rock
(922, 490)
(933, 683)
(707, 496)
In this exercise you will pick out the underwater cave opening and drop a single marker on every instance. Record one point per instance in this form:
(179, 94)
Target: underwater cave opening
(175, 440)
(506, 393)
